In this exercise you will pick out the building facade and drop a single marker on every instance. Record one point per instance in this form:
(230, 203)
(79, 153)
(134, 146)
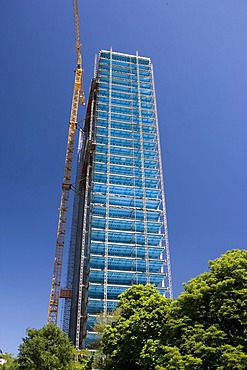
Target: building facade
(119, 229)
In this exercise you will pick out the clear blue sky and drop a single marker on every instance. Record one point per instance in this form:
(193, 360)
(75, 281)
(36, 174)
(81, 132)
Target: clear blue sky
(199, 52)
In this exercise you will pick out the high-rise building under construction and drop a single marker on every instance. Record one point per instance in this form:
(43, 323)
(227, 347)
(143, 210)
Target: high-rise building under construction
(119, 229)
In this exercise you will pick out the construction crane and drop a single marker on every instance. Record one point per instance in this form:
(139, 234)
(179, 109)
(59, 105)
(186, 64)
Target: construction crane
(78, 98)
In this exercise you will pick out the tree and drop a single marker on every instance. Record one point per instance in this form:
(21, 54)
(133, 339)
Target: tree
(204, 328)
(48, 348)
(143, 315)
(209, 319)
(83, 359)
(11, 362)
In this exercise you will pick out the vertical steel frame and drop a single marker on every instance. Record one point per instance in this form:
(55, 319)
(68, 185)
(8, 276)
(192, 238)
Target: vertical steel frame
(167, 248)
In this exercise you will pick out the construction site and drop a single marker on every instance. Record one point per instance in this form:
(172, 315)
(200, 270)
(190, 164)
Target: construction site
(114, 162)
(119, 233)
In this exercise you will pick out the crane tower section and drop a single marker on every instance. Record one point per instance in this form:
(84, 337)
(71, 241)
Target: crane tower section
(78, 98)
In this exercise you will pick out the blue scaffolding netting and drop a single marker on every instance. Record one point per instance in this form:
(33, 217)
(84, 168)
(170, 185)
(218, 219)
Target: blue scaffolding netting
(125, 237)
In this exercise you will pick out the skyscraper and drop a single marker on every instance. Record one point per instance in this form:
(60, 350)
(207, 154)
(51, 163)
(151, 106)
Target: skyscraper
(119, 229)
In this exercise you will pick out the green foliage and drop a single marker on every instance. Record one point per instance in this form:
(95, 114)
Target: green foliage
(143, 311)
(83, 360)
(204, 328)
(104, 320)
(212, 312)
(47, 348)
(11, 363)
(155, 356)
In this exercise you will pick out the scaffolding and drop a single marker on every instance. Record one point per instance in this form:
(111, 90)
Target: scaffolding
(123, 237)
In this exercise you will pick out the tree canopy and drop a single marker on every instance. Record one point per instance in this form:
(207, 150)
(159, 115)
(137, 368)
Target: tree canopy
(11, 362)
(48, 348)
(204, 328)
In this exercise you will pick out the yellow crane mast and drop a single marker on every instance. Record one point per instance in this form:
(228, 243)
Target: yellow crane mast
(78, 98)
